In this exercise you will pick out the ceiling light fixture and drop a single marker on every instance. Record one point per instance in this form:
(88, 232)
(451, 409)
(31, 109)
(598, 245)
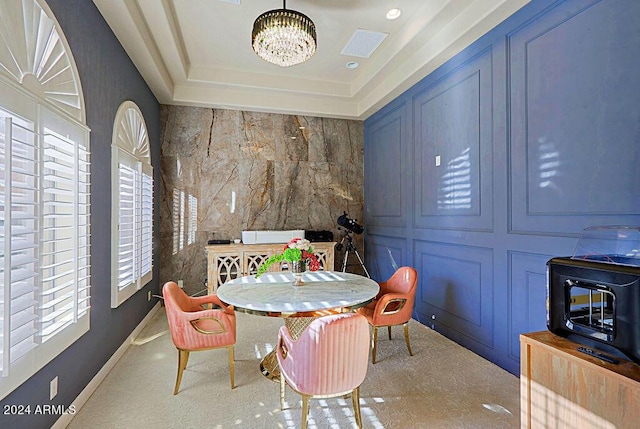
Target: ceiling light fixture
(284, 37)
(352, 64)
(394, 13)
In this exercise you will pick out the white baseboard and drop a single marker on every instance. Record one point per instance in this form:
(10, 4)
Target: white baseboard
(82, 398)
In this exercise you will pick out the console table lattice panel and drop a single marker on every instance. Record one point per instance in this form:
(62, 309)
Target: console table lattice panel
(228, 261)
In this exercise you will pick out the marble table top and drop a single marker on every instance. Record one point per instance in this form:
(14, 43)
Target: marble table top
(273, 294)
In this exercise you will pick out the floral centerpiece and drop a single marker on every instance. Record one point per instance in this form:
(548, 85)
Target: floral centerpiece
(297, 250)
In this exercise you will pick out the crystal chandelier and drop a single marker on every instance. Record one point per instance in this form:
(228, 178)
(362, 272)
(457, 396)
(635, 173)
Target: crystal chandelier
(284, 37)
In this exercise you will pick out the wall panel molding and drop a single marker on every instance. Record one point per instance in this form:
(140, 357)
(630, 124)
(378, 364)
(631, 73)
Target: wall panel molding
(386, 167)
(566, 172)
(388, 253)
(457, 292)
(453, 149)
(527, 296)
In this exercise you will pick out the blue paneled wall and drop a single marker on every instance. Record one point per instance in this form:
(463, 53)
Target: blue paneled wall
(496, 161)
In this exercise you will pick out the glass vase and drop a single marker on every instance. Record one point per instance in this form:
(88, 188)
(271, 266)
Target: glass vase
(297, 268)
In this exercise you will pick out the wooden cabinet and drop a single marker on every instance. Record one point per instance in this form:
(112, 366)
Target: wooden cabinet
(228, 261)
(561, 387)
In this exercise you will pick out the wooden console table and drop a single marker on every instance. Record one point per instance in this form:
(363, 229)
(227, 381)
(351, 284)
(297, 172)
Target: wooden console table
(561, 387)
(228, 261)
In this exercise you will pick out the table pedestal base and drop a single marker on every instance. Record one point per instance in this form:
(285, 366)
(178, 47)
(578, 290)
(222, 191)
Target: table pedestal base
(269, 363)
(269, 366)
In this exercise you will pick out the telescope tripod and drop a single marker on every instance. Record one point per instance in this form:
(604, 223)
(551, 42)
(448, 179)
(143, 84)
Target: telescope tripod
(350, 247)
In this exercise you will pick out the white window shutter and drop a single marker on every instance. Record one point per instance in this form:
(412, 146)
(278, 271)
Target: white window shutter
(44, 237)
(83, 250)
(176, 220)
(126, 203)
(19, 216)
(182, 221)
(146, 225)
(193, 219)
(132, 205)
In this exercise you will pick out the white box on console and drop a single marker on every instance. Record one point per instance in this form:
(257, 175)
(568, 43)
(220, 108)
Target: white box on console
(265, 237)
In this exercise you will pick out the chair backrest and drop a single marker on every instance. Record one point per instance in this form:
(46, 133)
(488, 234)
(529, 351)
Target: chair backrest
(331, 355)
(213, 329)
(176, 303)
(175, 299)
(404, 280)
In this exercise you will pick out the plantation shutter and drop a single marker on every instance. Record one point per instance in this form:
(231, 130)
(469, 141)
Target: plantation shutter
(182, 220)
(18, 214)
(146, 223)
(44, 233)
(134, 200)
(176, 220)
(64, 232)
(127, 170)
(193, 219)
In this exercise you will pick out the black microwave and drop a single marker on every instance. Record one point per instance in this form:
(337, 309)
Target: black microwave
(595, 303)
(593, 297)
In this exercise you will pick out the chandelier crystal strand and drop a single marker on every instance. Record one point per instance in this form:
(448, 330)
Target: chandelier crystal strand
(284, 37)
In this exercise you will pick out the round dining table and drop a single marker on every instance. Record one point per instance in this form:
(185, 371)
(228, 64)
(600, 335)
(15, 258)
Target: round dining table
(273, 294)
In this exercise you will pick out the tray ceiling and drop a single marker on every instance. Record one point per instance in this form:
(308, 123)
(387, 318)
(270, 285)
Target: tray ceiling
(198, 52)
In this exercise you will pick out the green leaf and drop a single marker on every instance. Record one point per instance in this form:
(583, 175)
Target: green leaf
(268, 262)
(292, 254)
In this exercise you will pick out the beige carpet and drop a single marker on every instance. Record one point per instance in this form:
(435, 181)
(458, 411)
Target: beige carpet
(442, 386)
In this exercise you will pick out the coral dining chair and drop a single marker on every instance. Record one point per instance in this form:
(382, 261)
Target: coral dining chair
(393, 305)
(194, 327)
(328, 359)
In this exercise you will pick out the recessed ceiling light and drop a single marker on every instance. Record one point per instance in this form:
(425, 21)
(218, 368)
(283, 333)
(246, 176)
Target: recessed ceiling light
(293, 137)
(394, 13)
(352, 65)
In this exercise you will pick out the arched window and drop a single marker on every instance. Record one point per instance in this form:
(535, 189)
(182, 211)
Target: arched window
(131, 204)
(44, 194)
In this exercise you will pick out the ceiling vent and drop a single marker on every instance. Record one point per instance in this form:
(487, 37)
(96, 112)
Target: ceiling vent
(363, 43)
(231, 1)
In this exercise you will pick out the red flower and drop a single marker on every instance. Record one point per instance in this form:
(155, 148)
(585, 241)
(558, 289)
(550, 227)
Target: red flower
(312, 260)
(293, 240)
(314, 264)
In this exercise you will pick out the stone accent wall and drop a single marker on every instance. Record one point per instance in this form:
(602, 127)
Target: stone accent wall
(252, 171)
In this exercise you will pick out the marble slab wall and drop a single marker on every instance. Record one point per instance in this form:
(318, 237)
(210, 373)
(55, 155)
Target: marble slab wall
(251, 171)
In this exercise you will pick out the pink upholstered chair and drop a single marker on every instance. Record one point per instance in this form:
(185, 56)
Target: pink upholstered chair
(393, 305)
(328, 359)
(194, 327)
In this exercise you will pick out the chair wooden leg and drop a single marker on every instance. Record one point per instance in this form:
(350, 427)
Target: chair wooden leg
(232, 367)
(281, 391)
(375, 343)
(305, 410)
(389, 329)
(183, 358)
(406, 338)
(355, 398)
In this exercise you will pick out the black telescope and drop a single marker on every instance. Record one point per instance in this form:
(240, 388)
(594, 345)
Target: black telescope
(350, 224)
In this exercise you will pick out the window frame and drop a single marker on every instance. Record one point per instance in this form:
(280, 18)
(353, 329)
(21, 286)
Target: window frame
(51, 101)
(130, 148)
